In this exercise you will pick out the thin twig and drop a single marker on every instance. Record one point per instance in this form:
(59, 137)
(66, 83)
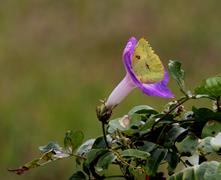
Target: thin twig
(77, 156)
(183, 163)
(171, 110)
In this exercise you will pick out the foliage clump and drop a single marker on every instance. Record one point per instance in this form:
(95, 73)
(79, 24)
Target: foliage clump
(144, 139)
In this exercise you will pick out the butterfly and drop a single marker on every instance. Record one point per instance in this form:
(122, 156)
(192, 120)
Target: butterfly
(147, 65)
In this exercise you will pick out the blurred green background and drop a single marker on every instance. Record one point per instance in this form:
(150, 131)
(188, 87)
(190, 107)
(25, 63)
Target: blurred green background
(58, 58)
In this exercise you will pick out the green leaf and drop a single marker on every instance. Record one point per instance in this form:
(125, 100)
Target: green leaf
(203, 114)
(211, 128)
(174, 134)
(135, 124)
(204, 147)
(206, 170)
(79, 175)
(216, 143)
(105, 160)
(99, 143)
(173, 159)
(146, 146)
(153, 118)
(201, 117)
(85, 168)
(91, 160)
(142, 109)
(188, 145)
(50, 146)
(154, 161)
(177, 73)
(127, 124)
(135, 153)
(93, 155)
(85, 147)
(210, 145)
(210, 86)
(188, 115)
(73, 140)
(149, 123)
(118, 124)
(83, 150)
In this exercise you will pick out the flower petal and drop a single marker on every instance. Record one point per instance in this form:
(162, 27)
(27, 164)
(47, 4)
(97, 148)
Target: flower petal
(127, 59)
(156, 89)
(129, 48)
(120, 92)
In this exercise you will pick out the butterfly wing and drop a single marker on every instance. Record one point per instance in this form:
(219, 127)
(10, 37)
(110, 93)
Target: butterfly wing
(146, 64)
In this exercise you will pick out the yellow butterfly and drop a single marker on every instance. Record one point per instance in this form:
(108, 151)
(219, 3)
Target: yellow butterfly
(146, 64)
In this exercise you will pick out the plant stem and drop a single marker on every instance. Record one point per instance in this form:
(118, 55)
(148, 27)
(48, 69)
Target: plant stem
(77, 156)
(218, 104)
(183, 163)
(104, 134)
(171, 110)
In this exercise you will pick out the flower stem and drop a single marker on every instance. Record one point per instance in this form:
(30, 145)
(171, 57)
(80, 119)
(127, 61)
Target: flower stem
(104, 135)
(218, 104)
(120, 92)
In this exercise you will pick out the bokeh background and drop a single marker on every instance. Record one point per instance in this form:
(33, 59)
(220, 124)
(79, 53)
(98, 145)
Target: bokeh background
(58, 58)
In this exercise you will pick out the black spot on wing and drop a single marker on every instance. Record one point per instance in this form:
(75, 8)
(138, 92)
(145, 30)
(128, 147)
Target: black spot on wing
(137, 56)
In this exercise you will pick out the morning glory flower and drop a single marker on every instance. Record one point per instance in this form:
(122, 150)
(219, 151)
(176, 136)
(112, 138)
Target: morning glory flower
(131, 80)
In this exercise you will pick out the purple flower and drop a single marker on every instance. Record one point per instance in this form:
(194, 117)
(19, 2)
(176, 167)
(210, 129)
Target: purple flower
(131, 81)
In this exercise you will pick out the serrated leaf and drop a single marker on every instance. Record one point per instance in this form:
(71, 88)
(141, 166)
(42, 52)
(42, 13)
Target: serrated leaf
(72, 140)
(210, 86)
(135, 153)
(79, 175)
(177, 73)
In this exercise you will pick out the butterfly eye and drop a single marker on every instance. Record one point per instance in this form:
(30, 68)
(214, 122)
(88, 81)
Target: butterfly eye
(137, 56)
